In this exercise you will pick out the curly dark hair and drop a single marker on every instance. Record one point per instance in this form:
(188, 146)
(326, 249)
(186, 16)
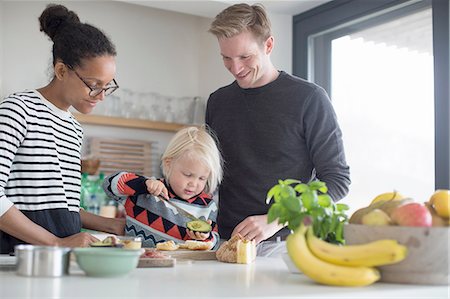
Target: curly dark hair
(73, 41)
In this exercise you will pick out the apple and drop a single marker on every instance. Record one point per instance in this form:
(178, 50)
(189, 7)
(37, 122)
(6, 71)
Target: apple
(376, 217)
(412, 214)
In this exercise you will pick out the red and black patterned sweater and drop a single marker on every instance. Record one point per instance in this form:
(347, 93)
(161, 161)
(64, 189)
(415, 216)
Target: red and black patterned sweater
(150, 218)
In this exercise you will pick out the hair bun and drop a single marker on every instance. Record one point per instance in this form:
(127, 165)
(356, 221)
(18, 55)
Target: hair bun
(55, 17)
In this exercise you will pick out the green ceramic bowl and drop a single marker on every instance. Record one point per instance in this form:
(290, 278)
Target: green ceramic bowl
(107, 262)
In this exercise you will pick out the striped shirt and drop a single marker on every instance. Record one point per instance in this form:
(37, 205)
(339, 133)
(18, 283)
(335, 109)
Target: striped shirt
(40, 149)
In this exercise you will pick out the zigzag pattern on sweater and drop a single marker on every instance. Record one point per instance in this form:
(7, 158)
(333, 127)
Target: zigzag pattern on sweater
(141, 232)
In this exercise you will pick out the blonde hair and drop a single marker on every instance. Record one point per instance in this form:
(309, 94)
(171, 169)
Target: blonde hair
(198, 144)
(239, 18)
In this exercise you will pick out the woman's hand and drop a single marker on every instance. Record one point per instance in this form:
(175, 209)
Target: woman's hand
(156, 187)
(103, 224)
(198, 235)
(78, 240)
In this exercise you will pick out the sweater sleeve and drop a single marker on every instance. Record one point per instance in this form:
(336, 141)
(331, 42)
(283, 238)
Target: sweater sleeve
(13, 129)
(325, 144)
(120, 185)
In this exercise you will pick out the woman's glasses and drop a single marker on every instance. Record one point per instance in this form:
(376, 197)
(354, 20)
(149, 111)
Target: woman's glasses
(96, 91)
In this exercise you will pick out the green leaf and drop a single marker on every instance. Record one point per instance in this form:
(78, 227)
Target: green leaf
(292, 204)
(340, 233)
(316, 185)
(300, 188)
(342, 207)
(287, 191)
(291, 181)
(295, 223)
(309, 199)
(275, 189)
(274, 213)
(324, 200)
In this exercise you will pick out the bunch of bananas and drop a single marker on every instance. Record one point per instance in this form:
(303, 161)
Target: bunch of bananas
(341, 265)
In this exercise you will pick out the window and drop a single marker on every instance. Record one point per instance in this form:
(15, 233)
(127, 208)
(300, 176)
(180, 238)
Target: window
(375, 58)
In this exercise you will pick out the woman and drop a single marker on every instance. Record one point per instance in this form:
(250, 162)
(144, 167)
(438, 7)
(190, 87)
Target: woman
(40, 141)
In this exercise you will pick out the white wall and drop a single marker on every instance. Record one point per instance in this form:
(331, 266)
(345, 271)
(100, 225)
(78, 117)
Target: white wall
(158, 51)
(1, 49)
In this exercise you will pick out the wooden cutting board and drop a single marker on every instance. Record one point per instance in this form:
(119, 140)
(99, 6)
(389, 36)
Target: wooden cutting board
(185, 254)
(146, 262)
(198, 255)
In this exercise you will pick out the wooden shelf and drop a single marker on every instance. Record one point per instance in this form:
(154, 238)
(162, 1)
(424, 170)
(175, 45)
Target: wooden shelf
(93, 119)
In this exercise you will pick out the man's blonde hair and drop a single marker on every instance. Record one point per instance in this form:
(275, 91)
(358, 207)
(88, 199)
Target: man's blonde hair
(239, 18)
(198, 144)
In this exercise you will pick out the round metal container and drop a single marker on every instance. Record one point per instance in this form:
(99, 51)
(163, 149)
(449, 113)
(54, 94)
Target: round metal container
(45, 261)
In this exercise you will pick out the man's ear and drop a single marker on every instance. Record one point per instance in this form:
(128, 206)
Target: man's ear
(269, 45)
(60, 70)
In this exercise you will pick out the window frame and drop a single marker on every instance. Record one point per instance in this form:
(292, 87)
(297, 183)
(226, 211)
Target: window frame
(340, 14)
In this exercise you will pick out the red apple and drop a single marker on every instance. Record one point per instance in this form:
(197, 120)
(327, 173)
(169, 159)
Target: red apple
(412, 214)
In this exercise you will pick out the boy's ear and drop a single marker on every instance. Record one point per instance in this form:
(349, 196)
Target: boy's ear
(167, 162)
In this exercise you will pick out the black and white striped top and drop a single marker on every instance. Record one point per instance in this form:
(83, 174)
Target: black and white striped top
(40, 148)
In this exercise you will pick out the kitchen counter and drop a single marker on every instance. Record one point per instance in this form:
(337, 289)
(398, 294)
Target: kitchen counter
(266, 278)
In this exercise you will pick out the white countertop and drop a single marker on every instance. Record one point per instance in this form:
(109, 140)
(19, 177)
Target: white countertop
(266, 278)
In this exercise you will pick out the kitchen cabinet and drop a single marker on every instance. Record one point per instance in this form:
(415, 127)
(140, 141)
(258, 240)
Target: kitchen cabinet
(103, 120)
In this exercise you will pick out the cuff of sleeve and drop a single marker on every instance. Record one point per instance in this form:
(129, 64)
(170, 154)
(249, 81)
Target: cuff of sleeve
(5, 204)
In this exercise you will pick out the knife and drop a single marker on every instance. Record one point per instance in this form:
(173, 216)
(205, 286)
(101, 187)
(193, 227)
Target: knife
(179, 209)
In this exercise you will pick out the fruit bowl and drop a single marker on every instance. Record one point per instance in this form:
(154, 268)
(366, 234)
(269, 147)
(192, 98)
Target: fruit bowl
(107, 261)
(427, 261)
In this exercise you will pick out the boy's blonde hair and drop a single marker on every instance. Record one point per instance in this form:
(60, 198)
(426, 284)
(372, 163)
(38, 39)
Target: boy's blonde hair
(198, 144)
(242, 17)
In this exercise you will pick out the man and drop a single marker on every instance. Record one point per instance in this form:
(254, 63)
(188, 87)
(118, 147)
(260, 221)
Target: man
(270, 125)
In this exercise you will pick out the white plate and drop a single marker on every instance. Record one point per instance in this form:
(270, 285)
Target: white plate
(287, 260)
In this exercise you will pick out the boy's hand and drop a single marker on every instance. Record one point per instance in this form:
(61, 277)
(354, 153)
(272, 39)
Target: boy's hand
(156, 187)
(197, 235)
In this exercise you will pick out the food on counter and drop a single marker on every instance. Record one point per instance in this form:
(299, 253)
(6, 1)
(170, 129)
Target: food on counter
(387, 196)
(440, 201)
(376, 217)
(167, 246)
(189, 244)
(121, 241)
(130, 242)
(199, 226)
(393, 209)
(153, 253)
(412, 214)
(110, 241)
(196, 245)
(376, 253)
(323, 271)
(237, 250)
(386, 206)
(436, 220)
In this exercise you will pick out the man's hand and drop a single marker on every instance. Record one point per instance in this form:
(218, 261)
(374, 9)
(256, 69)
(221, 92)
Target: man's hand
(257, 228)
(156, 187)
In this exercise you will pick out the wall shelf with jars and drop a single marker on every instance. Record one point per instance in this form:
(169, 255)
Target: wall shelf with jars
(93, 119)
(145, 110)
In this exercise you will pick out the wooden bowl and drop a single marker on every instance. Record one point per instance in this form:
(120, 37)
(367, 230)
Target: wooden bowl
(428, 255)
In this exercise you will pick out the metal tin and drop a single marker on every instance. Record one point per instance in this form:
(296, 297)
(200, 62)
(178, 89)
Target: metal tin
(45, 261)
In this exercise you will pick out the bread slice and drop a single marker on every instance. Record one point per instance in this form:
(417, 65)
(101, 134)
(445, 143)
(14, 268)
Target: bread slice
(237, 250)
(197, 245)
(168, 245)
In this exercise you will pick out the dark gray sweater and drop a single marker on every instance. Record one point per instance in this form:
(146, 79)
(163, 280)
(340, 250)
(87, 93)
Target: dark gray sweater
(285, 129)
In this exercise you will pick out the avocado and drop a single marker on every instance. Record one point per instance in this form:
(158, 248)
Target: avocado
(199, 226)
